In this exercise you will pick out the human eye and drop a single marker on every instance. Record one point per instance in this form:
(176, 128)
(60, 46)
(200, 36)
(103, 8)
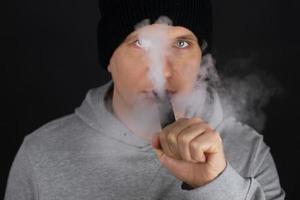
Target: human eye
(182, 44)
(138, 43)
(142, 43)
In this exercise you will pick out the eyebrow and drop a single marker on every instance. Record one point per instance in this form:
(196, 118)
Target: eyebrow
(187, 36)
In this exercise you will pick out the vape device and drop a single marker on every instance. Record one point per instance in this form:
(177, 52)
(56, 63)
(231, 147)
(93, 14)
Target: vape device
(166, 112)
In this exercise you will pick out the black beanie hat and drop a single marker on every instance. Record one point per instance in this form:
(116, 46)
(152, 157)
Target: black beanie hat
(118, 18)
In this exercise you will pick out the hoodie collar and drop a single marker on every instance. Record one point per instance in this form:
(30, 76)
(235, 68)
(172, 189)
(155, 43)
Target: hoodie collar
(96, 114)
(96, 111)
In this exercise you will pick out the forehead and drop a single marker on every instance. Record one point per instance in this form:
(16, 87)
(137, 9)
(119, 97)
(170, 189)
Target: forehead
(173, 32)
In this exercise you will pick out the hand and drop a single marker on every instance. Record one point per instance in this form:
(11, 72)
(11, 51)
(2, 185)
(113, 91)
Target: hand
(191, 150)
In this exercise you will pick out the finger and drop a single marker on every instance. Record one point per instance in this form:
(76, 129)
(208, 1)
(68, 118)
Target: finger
(162, 137)
(164, 140)
(207, 143)
(164, 144)
(182, 121)
(186, 136)
(171, 136)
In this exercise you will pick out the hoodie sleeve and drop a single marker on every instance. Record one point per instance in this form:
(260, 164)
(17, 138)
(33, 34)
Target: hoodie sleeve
(21, 183)
(230, 185)
(262, 184)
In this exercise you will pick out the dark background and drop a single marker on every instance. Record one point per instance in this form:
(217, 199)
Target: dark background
(49, 61)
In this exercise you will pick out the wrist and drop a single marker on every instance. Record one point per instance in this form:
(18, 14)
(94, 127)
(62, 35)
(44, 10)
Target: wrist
(209, 179)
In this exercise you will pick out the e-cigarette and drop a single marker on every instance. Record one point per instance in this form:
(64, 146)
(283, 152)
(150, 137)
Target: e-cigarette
(166, 112)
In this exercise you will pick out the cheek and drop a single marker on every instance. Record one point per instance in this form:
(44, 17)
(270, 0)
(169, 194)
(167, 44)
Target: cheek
(191, 74)
(187, 71)
(128, 71)
(186, 58)
(189, 66)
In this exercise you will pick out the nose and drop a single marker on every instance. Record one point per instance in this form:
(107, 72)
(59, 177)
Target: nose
(167, 67)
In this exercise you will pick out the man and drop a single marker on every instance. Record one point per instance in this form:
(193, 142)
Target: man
(101, 151)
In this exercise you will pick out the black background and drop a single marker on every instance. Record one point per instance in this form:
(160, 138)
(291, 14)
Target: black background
(49, 61)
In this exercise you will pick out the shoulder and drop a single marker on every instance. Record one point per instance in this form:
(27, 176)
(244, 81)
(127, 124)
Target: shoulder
(243, 145)
(57, 135)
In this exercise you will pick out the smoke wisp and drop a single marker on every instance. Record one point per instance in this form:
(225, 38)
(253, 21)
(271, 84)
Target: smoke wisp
(214, 96)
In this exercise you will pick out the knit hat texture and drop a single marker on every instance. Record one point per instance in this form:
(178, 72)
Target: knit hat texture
(119, 17)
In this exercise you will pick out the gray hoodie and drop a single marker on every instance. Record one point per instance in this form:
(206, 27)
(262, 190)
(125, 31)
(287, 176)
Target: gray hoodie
(91, 155)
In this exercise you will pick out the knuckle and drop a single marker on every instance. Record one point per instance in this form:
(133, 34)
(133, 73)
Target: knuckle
(183, 119)
(196, 155)
(194, 146)
(216, 136)
(171, 138)
(195, 119)
(184, 139)
(202, 126)
(206, 126)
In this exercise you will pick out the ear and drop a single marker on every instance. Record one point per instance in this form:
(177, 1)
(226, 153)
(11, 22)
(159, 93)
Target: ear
(109, 68)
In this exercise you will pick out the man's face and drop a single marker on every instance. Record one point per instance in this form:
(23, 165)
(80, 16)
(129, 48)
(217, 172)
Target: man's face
(129, 65)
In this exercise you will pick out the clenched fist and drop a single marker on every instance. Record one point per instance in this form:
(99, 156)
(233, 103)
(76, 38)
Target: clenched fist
(191, 150)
